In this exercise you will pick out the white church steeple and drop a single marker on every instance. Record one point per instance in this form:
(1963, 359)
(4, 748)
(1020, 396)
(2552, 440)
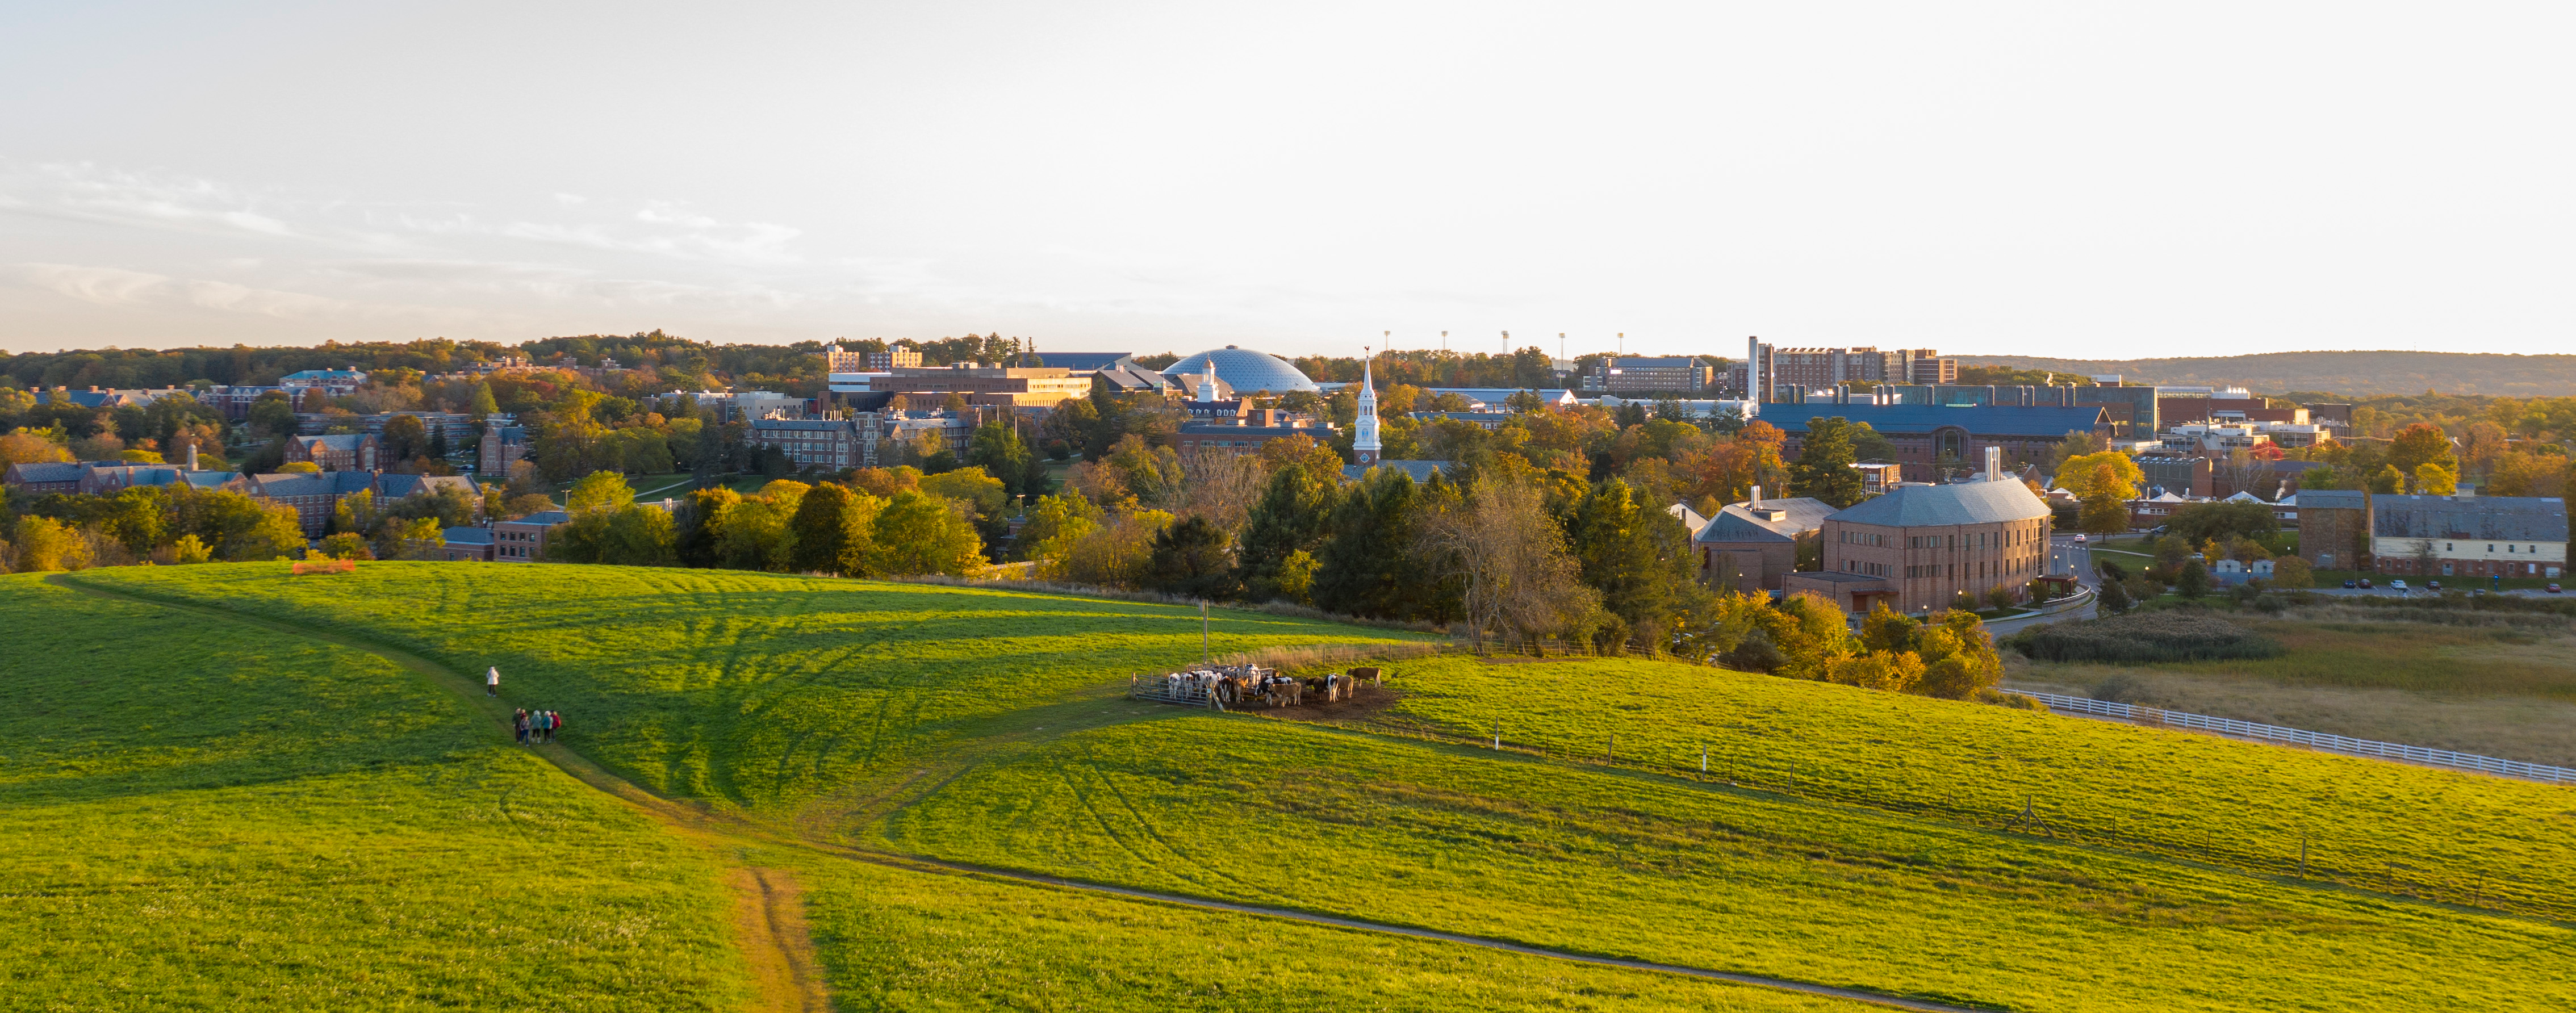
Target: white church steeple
(1207, 380)
(1364, 429)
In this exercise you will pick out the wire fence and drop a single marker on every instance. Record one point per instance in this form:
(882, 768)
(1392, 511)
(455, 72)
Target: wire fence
(2319, 740)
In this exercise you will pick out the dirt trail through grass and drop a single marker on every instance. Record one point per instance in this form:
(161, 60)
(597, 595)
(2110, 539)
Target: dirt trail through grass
(769, 915)
(771, 936)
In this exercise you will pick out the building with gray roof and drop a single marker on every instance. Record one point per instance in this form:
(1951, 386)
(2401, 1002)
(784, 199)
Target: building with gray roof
(2465, 536)
(1935, 442)
(37, 478)
(1928, 547)
(1751, 547)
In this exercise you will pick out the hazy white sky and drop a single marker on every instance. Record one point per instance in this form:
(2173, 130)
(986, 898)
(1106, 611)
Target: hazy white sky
(2086, 180)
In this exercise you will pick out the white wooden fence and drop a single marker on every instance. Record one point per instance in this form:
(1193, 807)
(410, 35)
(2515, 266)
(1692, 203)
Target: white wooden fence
(2319, 740)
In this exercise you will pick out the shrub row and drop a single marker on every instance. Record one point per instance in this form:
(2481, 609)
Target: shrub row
(2143, 637)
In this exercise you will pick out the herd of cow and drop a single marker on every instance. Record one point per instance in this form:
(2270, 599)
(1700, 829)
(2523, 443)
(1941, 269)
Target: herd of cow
(1231, 687)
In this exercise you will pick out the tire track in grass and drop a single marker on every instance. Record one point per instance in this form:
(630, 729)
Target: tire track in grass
(781, 944)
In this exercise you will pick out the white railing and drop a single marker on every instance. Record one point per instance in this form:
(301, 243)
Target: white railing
(2319, 740)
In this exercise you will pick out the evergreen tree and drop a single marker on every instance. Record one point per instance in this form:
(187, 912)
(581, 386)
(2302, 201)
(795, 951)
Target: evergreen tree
(1289, 519)
(1824, 470)
(2115, 596)
(1366, 566)
(1190, 559)
(2193, 581)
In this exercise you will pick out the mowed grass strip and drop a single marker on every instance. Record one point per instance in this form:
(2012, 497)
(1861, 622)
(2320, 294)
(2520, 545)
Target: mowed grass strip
(203, 816)
(1633, 865)
(2450, 834)
(896, 939)
(752, 689)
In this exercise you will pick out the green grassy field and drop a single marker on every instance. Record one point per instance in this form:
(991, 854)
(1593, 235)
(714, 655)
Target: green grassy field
(202, 817)
(1863, 848)
(898, 939)
(255, 820)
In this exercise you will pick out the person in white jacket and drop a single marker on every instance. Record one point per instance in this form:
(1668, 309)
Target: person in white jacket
(492, 682)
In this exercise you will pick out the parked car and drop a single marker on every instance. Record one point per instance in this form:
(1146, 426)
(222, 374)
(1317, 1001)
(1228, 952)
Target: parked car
(2553, 589)
(2365, 583)
(2432, 585)
(2351, 584)
(2397, 585)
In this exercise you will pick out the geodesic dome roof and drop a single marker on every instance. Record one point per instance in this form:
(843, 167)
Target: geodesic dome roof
(1245, 370)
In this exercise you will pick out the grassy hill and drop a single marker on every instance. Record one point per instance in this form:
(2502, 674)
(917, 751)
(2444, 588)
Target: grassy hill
(1841, 837)
(2356, 374)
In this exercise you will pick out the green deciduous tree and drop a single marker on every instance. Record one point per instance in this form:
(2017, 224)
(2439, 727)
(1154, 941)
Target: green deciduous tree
(599, 490)
(918, 532)
(835, 530)
(1638, 557)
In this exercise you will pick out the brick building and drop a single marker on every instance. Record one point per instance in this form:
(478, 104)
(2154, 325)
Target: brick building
(2334, 528)
(1927, 547)
(1806, 369)
(502, 446)
(37, 478)
(1930, 438)
(1684, 374)
(345, 452)
(1246, 434)
(524, 540)
(1751, 547)
(825, 444)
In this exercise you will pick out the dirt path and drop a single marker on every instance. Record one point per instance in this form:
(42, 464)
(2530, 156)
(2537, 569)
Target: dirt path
(769, 916)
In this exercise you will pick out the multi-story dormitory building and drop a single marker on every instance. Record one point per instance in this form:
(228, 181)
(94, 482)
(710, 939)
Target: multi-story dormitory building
(1808, 369)
(861, 441)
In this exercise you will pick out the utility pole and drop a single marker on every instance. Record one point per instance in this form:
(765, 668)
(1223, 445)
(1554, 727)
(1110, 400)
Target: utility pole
(1203, 632)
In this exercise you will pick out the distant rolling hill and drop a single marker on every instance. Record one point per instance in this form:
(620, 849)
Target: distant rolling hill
(2360, 374)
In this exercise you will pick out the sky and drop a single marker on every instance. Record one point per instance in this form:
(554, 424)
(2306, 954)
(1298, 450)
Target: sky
(2098, 181)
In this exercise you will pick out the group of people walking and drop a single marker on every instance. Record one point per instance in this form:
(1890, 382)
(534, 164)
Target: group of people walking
(536, 726)
(530, 726)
